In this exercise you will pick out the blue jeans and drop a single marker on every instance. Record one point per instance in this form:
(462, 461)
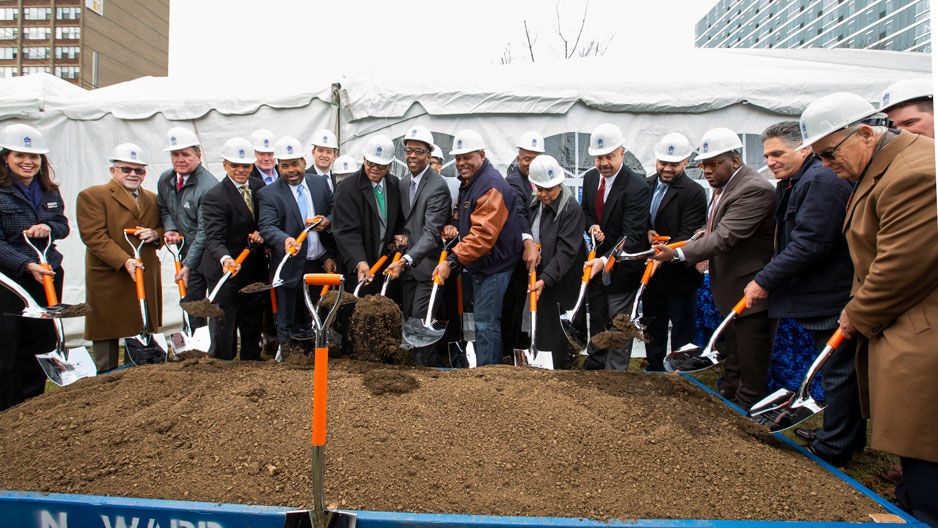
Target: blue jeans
(489, 292)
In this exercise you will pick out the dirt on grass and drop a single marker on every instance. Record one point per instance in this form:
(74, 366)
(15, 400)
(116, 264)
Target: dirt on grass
(497, 440)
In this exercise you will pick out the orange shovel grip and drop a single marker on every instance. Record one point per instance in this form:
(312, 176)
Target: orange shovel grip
(588, 270)
(836, 339)
(47, 283)
(273, 301)
(660, 239)
(436, 278)
(131, 231)
(649, 269)
(323, 279)
(397, 256)
(459, 306)
(609, 263)
(182, 285)
(320, 381)
(325, 289)
(299, 242)
(675, 245)
(374, 269)
(531, 281)
(243, 255)
(138, 274)
(740, 306)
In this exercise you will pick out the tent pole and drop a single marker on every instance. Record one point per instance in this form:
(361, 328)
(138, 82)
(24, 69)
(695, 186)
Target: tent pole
(336, 102)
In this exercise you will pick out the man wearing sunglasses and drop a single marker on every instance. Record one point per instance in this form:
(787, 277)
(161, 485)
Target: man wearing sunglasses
(891, 229)
(737, 244)
(103, 212)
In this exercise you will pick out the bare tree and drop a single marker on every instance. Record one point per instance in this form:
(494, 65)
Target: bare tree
(568, 50)
(527, 36)
(594, 47)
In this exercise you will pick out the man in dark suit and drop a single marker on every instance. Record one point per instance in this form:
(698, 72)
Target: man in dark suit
(265, 166)
(229, 217)
(325, 151)
(426, 206)
(367, 214)
(284, 206)
(678, 209)
(615, 202)
(739, 243)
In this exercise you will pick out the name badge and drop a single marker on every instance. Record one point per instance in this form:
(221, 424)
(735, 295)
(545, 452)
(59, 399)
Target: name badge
(52, 205)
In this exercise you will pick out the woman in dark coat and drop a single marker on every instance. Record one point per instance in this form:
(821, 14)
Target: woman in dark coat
(30, 202)
(557, 224)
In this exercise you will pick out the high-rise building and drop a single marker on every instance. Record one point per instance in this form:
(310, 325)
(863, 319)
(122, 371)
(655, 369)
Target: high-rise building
(899, 25)
(91, 43)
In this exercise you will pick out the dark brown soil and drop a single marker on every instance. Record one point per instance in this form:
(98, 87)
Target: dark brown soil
(610, 339)
(341, 322)
(496, 440)
(191, 354)
(255, 287)
(375, 330)
(202, 308)
(75, 310)
(624, 324)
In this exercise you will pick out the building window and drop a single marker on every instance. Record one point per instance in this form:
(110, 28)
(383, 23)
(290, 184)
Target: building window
(36, 52)
(36, 33)
(7, 33)
(7, 71)
(67, 72)
(66, 52)
(36, 13)
(35, 69)
(8, 13)
(67, 13)
(7, 53)
(68, 32)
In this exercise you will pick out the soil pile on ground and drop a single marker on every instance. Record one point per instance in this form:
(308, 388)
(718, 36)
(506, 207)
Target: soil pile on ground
(202, 308)
(341, 322)
(384, 381)
(496, 440)
(375, 330)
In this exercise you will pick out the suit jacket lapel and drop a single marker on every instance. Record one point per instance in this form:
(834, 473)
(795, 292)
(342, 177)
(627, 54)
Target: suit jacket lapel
(673, 190)
(238, 199)
(124, 197)
(618, 187)
(365, 187)
(405, 184)
(878, 166)
(728, 190)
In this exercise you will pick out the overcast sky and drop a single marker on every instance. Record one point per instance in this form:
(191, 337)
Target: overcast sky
(442, 38)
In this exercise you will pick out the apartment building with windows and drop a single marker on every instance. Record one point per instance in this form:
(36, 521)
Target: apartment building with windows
(91, 43)
(898, 25)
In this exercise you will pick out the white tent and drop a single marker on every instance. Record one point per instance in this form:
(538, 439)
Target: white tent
(745, 90)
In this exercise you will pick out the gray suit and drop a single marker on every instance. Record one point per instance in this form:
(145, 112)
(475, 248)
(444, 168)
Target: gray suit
(740, 244)
(423, 223)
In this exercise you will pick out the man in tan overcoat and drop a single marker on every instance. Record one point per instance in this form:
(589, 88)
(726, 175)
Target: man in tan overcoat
(892, 228)
(103, 212)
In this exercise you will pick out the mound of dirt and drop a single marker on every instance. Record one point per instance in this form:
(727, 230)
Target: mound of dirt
(496, 440)
(341, 322)
(375, 330)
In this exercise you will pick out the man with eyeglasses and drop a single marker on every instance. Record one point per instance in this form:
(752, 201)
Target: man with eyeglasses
(426, 207)
(325, 151)
(809, 279)
(739, 237)
(891, 227)
(103, 212)
(229, 217)
(367, 215)
(179, 191)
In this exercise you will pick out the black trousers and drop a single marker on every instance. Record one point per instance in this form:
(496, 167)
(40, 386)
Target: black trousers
(550, 337)
(660, 307)
(243, 312)
(21, 377)
(748, 342)
(195, 291)
(415, 296)
(604, 306)
(917, 492)
(293, 318)
(844, 429)
(512, 312)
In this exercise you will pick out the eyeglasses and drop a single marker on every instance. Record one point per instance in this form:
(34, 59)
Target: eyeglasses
(829, 153)
(417, 151)
(127, 170)
(370, 164)
(711, 163)
(241, 165)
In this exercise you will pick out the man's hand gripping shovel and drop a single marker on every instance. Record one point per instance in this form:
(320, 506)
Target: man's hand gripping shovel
(144, 347)
(423, 332)
(189, 339)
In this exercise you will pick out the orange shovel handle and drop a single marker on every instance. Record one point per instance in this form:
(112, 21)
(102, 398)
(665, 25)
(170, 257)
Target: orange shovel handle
(649, 269)
(588, 270)
(436, 278)
(397, 256)
(243, 255)
(531, 281)
(740, 306)
(320, 390)
(675, 245)
(836, 339)
(273, 301)
(459, 306)
(325, 289)
(299, 242)
(323, 279)
(609, 263)
(138, 275)
(182, 285)
(374, 269)
(131, 231)
(660, 239)
(51, 297)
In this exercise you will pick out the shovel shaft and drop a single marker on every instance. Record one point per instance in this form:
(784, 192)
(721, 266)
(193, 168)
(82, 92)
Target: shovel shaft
(138, 278)
(532, 280)
(242, 256)
(182, 285)
(374, 269)
(397, 256)
(649, 269)
(429, 319)
(588, 270)
(48, 285)
(436, 278)
(273, 301)
(320, 389)
(740, 306)
(459, 304)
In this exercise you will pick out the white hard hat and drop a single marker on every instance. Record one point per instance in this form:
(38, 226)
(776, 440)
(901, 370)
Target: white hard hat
(238, 150)
(418, 133)
(379, 150)
(672, 148)
(287, 148)
(23, 138)
(263, 140)
(545, 171)
(345, 164)
(832, 113)
(129, 153)
(716, 141)
(466, 140)
(179, 138)
(605, 139)
(905, 90)
(531, 140)
(325, 138)
(437, 153)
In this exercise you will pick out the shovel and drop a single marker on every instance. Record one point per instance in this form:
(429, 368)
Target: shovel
(205, 308)
(689, 358)
(63, 365)
(421, 333)
(531, 357)
(277, 281)
(650, 268)
(144, 347)
(648, 253)
(319, 516)
(462, 354)
(187, 340)
(374, 269)
(389, 275)
(783, 409)
(610, 261)
(574, 335)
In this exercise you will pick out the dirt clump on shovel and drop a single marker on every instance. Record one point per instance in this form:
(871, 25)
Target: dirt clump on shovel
(255, 287)
(191, 354)
(341, 322)
(610, 339)
(384, 381)
(375, 330)
(202, 308)
(75, 310)
(625, 325)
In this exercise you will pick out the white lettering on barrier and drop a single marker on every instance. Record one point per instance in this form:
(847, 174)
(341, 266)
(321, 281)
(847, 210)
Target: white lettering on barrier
(46, 520)
(119, 522)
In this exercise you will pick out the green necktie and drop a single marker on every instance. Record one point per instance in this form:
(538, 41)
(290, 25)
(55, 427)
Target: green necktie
(379, 197)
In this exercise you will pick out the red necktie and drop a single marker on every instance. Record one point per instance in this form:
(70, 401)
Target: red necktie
(600, 199)
(180, 183)
(704, 265)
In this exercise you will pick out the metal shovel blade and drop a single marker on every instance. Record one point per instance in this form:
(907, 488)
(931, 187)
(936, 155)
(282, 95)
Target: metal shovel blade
(575, 336)
(688, 358)
(146, 348)
(64, 371)
(786, 417)
(420, 335)
(535, 358)
(778, 399)
(468, 326)
(460, 356)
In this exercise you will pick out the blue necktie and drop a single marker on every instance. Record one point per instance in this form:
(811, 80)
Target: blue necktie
(301, 202)
(656, 199)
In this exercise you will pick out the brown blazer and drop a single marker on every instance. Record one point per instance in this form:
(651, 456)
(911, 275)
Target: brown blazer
(742, 240)
(103, 212)
(892, 229)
